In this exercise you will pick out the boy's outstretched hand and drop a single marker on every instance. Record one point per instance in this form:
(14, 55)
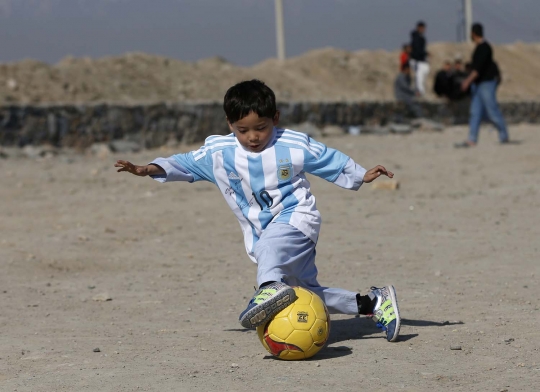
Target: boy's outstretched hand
(376, 172)
(130, 168)
(147, 170)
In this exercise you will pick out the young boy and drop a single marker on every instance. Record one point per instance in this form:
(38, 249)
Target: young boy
(259, 168)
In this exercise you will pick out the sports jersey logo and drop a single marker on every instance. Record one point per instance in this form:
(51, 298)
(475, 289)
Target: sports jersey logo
(285, 172)
(234, 177)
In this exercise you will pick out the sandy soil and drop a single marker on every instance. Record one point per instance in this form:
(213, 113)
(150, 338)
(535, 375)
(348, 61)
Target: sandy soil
(459, 240)
(326, 74)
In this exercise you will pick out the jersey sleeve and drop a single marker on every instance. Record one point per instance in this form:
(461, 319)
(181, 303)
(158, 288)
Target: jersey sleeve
(185, 167)
(332, 165)
(352, 176)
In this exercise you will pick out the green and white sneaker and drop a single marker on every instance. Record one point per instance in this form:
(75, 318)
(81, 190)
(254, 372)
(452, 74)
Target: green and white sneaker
(267, 302)
(386, 312)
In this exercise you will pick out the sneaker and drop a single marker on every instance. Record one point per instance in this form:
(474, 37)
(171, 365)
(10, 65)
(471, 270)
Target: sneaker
(386, 312)
(267, 302)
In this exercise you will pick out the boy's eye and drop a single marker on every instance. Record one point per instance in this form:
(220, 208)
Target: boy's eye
(261, 128)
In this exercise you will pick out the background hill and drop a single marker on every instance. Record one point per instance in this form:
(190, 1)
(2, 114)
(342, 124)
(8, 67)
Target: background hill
(326, 74)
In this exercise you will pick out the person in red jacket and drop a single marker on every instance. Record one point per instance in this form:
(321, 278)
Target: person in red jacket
(405, 55)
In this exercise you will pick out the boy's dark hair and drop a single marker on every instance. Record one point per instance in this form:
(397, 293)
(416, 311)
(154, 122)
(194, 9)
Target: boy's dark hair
(249, 96)
(478, 30)
(421, 23)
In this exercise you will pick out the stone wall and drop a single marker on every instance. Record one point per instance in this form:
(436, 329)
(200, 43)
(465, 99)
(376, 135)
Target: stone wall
(80, 126)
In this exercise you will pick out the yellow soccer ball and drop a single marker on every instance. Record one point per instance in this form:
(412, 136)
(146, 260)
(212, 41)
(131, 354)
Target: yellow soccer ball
(300, 330)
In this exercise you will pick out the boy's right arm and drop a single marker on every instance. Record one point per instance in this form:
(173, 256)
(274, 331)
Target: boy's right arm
(179, 167)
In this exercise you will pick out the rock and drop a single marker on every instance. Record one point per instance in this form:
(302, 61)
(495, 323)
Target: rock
(391, 185)
(32, 152)
(333, 130)
(400, 128)
(455, 347)
(97, 350)
(103, 297)
(12, 152)
(509, 340)
(307, 128)
(101, 150)
(235, 365)
(376, 129)
(354, 130)
(67, 160)
(423, 124)
(12, 84)
(124, 146)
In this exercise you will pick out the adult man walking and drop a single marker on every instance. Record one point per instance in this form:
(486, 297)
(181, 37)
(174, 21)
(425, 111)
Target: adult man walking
(419, 57)
(483, 80)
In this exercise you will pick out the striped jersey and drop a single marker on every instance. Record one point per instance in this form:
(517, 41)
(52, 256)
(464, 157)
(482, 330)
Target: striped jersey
(267, 186)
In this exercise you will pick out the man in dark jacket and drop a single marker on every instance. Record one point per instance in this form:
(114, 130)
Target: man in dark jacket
(404, 93)
(441, 87)
(419, 57)
(483, 81)
(456, 80)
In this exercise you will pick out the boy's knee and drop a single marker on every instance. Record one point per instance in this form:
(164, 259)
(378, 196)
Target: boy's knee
(268, 252)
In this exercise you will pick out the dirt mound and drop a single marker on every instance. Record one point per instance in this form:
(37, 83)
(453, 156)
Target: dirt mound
(326, 74)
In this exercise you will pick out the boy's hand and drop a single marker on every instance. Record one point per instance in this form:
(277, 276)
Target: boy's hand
(376, 172)
(131, 168)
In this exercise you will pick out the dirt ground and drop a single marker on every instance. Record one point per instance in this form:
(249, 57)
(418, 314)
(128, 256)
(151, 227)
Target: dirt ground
(459, 240)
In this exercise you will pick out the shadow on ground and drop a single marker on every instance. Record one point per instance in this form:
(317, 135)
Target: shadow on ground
(427, 323)
(360, 328)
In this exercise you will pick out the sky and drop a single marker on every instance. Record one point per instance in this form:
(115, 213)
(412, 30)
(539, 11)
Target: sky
(241, 31)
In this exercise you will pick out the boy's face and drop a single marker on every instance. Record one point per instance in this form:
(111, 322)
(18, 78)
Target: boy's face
(254, 132)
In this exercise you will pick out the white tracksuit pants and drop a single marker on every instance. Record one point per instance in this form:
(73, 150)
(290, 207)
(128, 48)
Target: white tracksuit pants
(421, 71)
(285, 254)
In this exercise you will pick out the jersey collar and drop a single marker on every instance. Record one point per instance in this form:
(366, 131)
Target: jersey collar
(270, 143)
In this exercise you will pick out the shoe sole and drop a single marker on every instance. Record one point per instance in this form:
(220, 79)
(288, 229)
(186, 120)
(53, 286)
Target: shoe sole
(262, 313)
(393, 297)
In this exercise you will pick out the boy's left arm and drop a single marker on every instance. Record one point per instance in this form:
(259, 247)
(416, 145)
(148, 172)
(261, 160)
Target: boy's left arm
(338, 168)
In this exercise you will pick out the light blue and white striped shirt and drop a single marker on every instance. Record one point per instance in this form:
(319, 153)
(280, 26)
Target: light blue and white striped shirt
(267, 186)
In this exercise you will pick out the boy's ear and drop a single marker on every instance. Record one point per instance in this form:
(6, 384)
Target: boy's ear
(275, 120)
(230, 126)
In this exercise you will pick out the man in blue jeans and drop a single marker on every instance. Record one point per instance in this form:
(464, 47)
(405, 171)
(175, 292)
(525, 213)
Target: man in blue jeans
(483, 81)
